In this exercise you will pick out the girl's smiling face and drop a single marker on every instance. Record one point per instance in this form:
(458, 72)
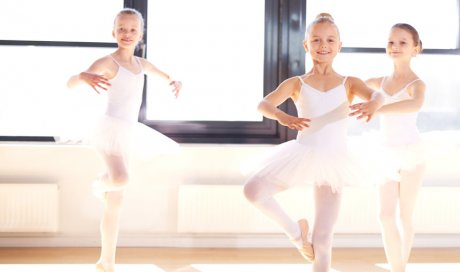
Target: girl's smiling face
(401, 44)
(127, 30)
(323, 42)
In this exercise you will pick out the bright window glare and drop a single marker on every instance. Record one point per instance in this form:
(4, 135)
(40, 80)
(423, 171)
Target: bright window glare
(216, 48)
(57, 20)
(364, 23)
(35, 100)
(440, 110)
(440, 82)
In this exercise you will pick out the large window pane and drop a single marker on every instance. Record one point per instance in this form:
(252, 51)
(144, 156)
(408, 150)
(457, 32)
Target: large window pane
(440, 111)
(58, 20)
(217, 49)
(365, 23)
(34, 98)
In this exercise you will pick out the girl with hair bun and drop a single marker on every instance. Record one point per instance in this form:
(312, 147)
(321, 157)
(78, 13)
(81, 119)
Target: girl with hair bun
(404, 94)
(118, 134)
(319, 156)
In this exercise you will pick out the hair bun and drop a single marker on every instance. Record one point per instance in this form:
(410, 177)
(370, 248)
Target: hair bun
(324, 15)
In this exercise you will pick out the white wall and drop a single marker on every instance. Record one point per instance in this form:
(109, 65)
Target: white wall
(150, 210)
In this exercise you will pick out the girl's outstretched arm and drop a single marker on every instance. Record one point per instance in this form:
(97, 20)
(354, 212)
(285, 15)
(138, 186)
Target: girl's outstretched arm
(95, 76)
(152, 70)
(374, 100)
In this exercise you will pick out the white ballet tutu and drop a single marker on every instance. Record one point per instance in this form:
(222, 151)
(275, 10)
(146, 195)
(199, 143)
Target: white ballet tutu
(402, 157)
(118, 137)
(293, 163)
(387, 159)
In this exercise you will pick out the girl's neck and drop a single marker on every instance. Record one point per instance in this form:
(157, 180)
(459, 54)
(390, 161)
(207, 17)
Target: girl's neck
(124, 55)
(322, 69)
(402, 69)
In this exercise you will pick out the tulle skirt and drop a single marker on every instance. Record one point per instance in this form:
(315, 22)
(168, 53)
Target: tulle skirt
(402, 157)
(293, 163)
(114, 136)
(387, 159)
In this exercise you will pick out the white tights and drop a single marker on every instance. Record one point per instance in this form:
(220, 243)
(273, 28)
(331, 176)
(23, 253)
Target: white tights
(116, 178)
(398, 241)
(327, 203)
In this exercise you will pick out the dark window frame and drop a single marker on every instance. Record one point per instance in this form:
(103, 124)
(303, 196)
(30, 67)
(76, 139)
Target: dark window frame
(284, 57)
(423, 116)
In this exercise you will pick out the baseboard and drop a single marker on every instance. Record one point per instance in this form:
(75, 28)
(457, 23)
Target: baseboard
(223, 241)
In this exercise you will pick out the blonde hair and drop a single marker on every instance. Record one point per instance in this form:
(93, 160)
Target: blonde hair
(322, 18)
(130, 11)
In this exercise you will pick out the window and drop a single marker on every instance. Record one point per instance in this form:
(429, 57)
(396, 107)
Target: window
(363, 24)
(54, 20)
(228, 54)
(219, 59)
(40, 49)
(35, 100)
(364, 37)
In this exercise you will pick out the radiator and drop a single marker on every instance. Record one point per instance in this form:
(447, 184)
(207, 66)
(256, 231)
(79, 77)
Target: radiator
(28, 207)
(218, 209)
(223, 209)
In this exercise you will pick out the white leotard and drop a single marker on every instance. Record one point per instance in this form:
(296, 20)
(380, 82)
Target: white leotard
(125, 93)
(403, 147)
(328, 111)
(319, 155)
(398, 128)
(119, 133)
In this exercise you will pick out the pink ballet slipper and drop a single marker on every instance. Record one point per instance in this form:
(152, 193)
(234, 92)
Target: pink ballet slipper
(307, 249)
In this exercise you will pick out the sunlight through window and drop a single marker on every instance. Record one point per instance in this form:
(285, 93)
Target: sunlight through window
(365, 23)
(55, 20)
(216, 48)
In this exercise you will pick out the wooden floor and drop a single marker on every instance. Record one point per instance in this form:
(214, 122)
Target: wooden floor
(217, 260)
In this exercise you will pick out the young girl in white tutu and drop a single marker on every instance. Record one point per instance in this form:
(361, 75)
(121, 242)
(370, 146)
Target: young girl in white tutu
(404, 94)
(119, 135)
(319, 155)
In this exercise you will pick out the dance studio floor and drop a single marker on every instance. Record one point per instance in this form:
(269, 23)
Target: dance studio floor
(217, 260)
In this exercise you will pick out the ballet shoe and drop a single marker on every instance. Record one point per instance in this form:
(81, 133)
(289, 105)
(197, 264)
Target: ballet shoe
(100, 268)
(306, 250)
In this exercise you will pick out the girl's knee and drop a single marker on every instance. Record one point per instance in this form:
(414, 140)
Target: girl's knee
(258, 189)
(250, 191)
(386, 218)
(119, 180)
